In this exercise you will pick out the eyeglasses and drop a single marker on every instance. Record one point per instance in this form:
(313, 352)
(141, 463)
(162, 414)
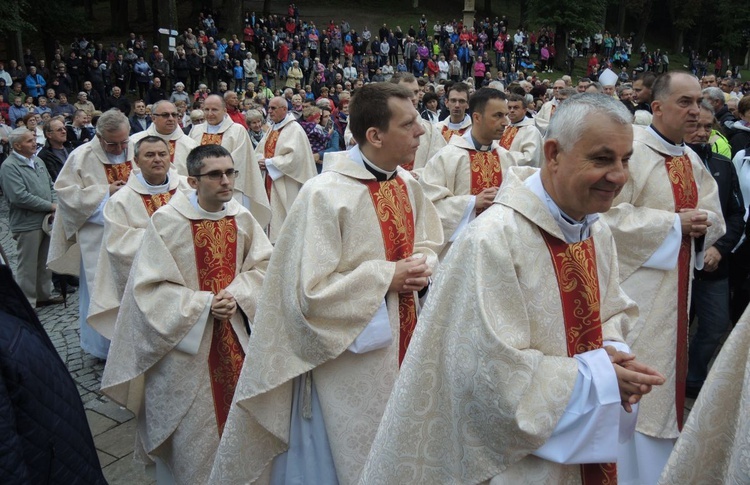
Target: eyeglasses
(114, 144)
(217, 175)
(166, 115)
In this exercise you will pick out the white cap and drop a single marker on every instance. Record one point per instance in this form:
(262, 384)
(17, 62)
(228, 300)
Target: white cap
(608, 78)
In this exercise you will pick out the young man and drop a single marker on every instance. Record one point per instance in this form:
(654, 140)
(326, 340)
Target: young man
(522, 138)
(338, 309)
(181, 334)
(458, 121)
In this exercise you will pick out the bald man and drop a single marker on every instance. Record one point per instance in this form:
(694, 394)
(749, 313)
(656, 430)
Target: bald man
(165, 125)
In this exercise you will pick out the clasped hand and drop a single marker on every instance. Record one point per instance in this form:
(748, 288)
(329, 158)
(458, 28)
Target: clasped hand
(633, 378)
(223, 306)
(412, 274)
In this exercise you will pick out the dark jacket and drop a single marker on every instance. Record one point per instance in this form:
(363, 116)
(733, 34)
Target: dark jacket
(120, 103)
(51, 161)
(136, 127)
(44, 434)
(75, 141)
(732, 208)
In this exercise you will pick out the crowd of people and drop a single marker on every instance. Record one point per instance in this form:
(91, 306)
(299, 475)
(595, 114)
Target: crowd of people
(252, 223)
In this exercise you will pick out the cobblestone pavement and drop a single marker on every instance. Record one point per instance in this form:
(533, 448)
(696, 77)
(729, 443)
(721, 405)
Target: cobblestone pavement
(112, 426)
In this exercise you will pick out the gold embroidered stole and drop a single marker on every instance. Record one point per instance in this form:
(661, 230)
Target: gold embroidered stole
(396, 217)
(685, 193)
(448, 133)
(486, 171)
(268, 151)
(508, 136)
(578, 282)
(212, 138)
(172, 146)
(215, 245)
(153, 202)
(119, 172)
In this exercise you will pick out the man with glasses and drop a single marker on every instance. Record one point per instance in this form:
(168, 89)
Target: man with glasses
(219, 129)
(126, 217)
(285, 156)
(182, 329)
(548, 108)
(458, 121)
(165, 126)
(93, 172)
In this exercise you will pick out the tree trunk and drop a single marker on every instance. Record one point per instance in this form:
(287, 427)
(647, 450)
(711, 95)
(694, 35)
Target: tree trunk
(141, 11)
(415, 4)
(678, 42)
(48, 43)
(15, 47)
(118, 10)
(165, 17)
(88, 6)
(621, 16)
(561, 47)
(645, 18)
(488, 8)
(233, 15)
(266, 8)
(523, 14)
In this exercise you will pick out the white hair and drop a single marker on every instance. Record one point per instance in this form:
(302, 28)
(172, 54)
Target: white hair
(572, 117)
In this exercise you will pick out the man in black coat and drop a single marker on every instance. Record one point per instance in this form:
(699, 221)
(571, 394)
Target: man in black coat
(710, 295)
(44, 434)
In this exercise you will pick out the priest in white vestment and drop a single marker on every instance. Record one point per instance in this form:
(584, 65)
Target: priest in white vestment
(430, 142)
(548, 109)
(522, 138)
(665, 215)
(458, 122)
(92, 173)
(219, 129)
(153, 181)
(338, 308)
(181, 334)
(165, 125)
(518, 372)
(285, 157)
(463, 178)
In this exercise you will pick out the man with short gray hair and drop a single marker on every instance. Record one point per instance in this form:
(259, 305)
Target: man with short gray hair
(716, 97)
(94, 171)
(31, 199)
(166, 126)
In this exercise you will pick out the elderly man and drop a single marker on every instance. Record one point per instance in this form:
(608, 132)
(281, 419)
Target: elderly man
(523, 380)
(28, 188)
(726, 119)
(93, 172)
(166, 127)
(126, 217)
(285, 156)
(663, 219)
(219, 129)
(522, 138)
(458, 122)
(181, 334)
(232, 102)
(55, 151)
(463, 178)
(548, 109)
(337, 311)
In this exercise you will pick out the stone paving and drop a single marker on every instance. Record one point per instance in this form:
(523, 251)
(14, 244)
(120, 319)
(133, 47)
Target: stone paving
(112, 426)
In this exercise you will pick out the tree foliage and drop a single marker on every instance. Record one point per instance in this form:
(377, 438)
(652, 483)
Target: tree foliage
(12, 19)
(569, 14)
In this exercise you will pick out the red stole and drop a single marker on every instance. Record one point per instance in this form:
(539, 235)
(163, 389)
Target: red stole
(486, 171)
(408, 166)
(153, 202)
(394, 211)
(212, 138)
(552, 111)
(508, 136)
(685, 194)
(578, 282)
(172, 146)
(448, 133)
(268, 151)
(119, 172)
(215, 245)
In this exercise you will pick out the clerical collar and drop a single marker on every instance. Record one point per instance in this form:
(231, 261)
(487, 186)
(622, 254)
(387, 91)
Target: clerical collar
(282, 123)
(380, 175)
(214, 129)
(671, 148)
(153, 189)
(473, 142)
(574, 231)
(203, 212)
(456, 126)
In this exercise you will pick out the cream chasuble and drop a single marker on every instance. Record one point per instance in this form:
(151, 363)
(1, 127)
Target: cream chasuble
(126, 216)
(249, 183)
(524, 143)
(545, 114)
(327, 282)
(486, 382)
(160, 361)
(714, 446)
(292, 165)
(448, 129)
(179, 145)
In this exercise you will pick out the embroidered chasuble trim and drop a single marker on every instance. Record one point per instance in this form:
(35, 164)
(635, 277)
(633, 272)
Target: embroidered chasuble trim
(508, 136)
(211, 138)
(172, 147)
(215, 245)
(578, 283)
(685, 193)
(119, 172)
(268, 152)
(408, 166)
(486, 172)
(155, 201)
(448, 133)
(394, 212)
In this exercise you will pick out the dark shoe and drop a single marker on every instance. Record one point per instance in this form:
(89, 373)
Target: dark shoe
(72, 280)
(55, 300)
